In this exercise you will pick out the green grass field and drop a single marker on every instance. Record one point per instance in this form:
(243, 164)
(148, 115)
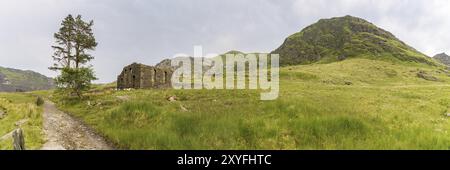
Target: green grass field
(353, 104)
(21, 107)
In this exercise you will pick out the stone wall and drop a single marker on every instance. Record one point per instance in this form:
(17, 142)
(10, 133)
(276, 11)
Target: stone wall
(140, 76)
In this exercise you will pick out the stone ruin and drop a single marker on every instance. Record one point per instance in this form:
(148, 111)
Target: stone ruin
(140, 76)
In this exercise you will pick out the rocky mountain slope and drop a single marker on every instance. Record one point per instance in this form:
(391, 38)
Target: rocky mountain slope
(443, 58)
(340, 38)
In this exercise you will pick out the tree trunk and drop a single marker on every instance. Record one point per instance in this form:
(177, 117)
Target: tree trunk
(69, 51)
(77, 56)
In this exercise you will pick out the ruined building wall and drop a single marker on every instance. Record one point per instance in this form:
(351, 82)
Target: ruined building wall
(140, 76)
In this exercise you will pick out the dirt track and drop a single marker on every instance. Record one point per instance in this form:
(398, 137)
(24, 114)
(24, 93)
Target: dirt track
(63, 132)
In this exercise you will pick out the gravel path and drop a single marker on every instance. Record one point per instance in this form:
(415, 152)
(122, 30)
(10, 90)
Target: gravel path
(63, 132)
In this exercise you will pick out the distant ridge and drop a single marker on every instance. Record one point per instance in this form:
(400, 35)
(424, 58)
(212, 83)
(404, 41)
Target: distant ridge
(14, 80)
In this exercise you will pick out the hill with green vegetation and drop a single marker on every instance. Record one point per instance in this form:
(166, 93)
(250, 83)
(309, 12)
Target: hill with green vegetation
(340, 38)
(12, 80)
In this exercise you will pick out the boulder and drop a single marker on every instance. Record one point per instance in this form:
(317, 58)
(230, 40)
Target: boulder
(123, 98)
(424, 75)
(348, 83)
(172, 98)
(21, 122)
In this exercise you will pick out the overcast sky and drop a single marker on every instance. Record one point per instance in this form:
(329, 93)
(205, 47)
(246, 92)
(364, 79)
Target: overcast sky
(148, 31)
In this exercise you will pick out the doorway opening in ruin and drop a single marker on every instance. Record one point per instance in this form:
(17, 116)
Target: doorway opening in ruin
(165, 77)
(153, 76)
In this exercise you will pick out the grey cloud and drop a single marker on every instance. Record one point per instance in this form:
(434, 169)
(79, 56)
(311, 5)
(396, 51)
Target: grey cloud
(148, 31)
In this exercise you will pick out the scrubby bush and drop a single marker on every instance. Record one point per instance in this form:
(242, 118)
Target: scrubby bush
(39, 101)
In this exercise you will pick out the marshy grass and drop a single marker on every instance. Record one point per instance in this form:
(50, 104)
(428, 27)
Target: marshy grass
(386, 106)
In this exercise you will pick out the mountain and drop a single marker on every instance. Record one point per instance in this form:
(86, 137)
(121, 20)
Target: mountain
(12, 80)
(345, 37)
(166, 63)
(443, 58)
(341, 38)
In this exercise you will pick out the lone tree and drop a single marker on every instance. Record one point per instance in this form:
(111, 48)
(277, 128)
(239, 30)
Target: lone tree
(73, 41)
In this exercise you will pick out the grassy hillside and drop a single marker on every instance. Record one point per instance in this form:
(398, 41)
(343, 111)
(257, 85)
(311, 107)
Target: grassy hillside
(20, 110)
(12, 80)
(340, 38)
(352, 104)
